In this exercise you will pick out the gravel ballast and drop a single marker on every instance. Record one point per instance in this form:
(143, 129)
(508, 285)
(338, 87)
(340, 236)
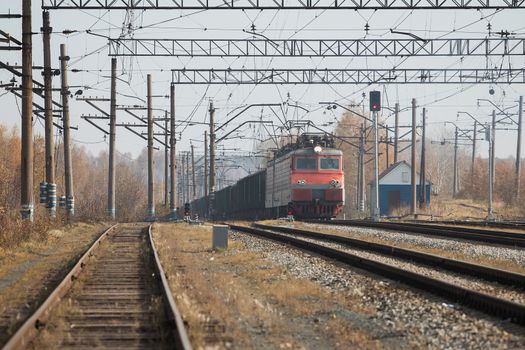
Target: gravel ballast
(473, 250)
(501, 291)
(421, 320)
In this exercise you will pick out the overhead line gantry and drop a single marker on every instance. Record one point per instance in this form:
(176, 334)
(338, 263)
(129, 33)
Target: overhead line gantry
(317, 47)
(347, 76)
(279, 4)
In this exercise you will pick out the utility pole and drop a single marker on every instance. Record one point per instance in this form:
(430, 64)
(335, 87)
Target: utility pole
(358, 178)
(51, 187)
(70, 201)
(183, 178)
(422, 170)
(27, 114)
(473, 161)
(413, 160)
(518, 150)
(493, 153)
(362, 170)
(151, 199)
(166, 159)
(173, 159)
(375, 209)
(386, 149)
(112, 136)
(490, 138)
(396, 131)
(455, 179)
(205, 163)
(188, 184)
(193, 172)
(212, 160)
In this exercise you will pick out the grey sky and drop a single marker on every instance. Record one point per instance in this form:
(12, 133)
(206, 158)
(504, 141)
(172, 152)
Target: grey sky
(89, 53)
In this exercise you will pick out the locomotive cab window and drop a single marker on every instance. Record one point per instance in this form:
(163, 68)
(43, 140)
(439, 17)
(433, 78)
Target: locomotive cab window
(329, 164)
(306, 164)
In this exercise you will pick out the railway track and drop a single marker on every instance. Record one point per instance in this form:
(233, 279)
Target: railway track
(458, 266)
(480, 301)
(517, 225)
(115, 297)
(511, 239)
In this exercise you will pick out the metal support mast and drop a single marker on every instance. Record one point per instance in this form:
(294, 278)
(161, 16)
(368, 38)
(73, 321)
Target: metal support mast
(455, 178)
(396, 131)
(166, 159)
(362, 169)
(422, 170)
(375, 209)
(413, 160)
(183, 178)
(194, 184)
(112, 136)
(188, 184)
(173, 157)
(205, 163)
(27, 114)
(151, 198)
(212, 160)
(490, 139)
(51, 187)
(473, 161)
(518, 150)
(68, 168)
(493, 152)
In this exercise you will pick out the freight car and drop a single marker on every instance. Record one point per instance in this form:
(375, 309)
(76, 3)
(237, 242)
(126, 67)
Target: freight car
(304, 179)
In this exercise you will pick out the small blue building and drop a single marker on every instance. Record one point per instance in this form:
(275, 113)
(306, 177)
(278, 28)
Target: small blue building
(395, 189)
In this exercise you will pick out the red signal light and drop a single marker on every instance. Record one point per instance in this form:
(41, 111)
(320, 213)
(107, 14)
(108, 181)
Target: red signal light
(375, 101)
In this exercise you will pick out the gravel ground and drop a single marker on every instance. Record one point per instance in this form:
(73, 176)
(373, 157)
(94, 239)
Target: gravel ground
(506, 292)
(422, 320)
(471, 249)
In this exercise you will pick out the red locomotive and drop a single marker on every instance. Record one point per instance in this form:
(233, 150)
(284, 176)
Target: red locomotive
(308, 178)
(304, 179)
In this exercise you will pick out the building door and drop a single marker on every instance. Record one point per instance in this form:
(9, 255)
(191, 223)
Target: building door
(394, 201)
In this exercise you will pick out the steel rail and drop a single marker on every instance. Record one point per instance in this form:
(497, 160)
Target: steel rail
(463, 267)
(30, 328)
(518, 225)
(482, 302)
(179, 333)
(479, 231)
(485, 236)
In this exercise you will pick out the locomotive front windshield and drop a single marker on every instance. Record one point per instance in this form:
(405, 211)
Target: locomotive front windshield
(329, 164)
(306, 164)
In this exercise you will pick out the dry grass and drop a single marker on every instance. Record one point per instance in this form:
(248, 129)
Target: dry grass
(345, 336)
(31, 270)
(237, 299)
(464, 209)
(15, 231)
(499, 264)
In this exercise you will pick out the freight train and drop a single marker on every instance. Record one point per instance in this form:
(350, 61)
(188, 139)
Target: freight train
(304, 179)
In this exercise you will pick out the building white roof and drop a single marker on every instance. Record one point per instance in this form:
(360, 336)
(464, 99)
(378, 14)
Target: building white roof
(398, 174)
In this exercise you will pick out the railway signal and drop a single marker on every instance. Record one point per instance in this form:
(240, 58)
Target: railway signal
(187, 211)
(375, 101)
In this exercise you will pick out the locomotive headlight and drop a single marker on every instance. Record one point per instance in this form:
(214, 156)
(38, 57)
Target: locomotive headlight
(334, 182)
(318, 149)
(301, 182)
